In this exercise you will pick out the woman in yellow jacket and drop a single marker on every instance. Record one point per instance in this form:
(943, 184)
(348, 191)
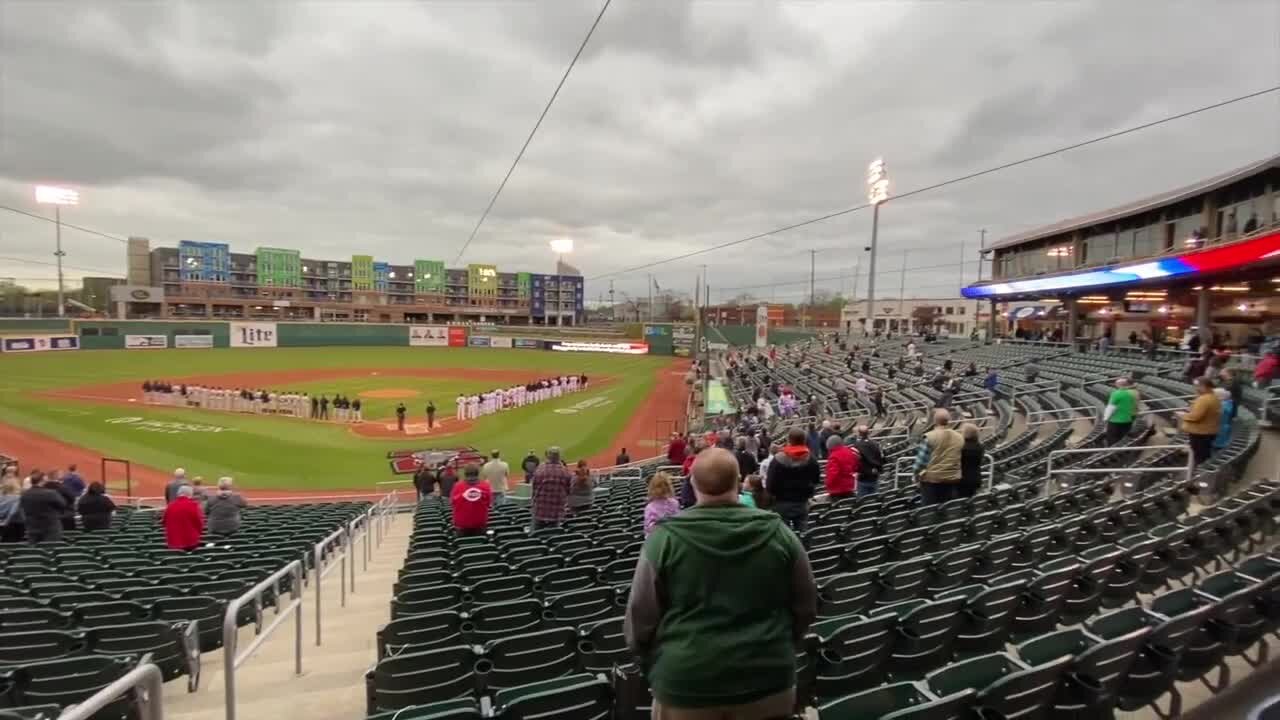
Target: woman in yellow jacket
(1200, 421)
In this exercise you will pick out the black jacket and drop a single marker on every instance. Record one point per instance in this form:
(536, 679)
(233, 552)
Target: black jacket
(43, 508)
(747, 463)
(793, 476)
(870, 460)
(971, 455)
(95, 511)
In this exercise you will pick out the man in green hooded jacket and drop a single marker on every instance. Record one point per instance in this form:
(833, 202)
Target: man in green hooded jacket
(722, 596)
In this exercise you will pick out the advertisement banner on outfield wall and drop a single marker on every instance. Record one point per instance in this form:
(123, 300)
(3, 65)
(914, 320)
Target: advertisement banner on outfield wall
(478, 341)
(600, 347)
(457, 336)
(145, 342)
(40, 343)
(526, 343)
(500, 342)
(193, 341)
(428, 336)
(253, 334)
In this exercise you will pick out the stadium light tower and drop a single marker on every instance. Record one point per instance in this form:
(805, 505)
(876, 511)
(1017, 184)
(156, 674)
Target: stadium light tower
(877, 193)
(57, 197)
(561, 247)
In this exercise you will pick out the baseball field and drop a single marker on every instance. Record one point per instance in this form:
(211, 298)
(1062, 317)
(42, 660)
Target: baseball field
(80, 406)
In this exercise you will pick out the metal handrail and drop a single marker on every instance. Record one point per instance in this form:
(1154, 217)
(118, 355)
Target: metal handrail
(342, 538)
(233, 660)
(146, 677)
(1048, 478)
(899, 473)
(1038, 386)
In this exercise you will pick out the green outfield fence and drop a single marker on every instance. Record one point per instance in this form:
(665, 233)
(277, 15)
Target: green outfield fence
(27, 335)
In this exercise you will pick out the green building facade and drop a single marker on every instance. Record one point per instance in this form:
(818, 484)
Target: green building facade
(428, 276)
(361, 272)
(482, 281)
(524, 281)
(279, 267)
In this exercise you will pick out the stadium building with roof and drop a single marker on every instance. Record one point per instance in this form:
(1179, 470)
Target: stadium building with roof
(1201, 258)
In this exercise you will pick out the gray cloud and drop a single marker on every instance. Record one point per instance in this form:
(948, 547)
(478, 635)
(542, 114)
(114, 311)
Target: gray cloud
(385, 127)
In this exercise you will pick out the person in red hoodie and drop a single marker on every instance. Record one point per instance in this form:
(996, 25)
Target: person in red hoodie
(471, 500)
(842, 468)
(183, 521)
(676, 449)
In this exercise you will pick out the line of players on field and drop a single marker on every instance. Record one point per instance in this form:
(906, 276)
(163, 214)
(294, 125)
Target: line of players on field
(258, 402)
(470, 407)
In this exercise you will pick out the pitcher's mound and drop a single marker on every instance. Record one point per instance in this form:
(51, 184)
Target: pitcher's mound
(389, 394)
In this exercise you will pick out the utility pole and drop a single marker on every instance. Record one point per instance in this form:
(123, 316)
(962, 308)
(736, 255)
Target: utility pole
(853, 296)
(613, 308)
(902, 285)
(813, 254)
(650, 298)
(977, 306)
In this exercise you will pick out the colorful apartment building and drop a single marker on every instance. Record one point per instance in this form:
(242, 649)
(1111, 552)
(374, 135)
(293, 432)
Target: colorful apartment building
(208, 280)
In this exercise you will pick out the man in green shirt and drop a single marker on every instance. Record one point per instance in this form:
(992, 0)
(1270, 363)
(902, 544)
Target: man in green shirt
(722, 596)
(1122, 407)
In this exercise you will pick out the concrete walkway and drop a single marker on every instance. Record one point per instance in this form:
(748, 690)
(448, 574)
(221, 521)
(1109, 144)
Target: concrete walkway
(331, 686)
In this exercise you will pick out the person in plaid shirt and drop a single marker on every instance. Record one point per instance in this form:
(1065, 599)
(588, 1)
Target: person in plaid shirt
(551, 483)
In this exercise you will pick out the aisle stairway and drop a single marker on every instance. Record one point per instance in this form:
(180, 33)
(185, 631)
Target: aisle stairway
(331, 686)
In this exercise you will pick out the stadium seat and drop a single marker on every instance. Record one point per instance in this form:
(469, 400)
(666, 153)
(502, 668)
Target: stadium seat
(898, 701)
(601, 645)
(173, 647)
(419, 678)
(529, 657)
(1004, 685)
(574, 697)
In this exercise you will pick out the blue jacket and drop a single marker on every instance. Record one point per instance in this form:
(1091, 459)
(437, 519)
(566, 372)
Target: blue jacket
(1224, 425)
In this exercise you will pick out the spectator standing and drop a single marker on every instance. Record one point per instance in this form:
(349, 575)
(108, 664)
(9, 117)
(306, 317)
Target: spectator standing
(183, 521)
(198, 491)
(73, 482)
(662, 503)
(793, 476)
(42, 506)
(1266, 371)
(938, 460)
(550, 488)
(870, 461)
(448, 477)
(813, 442)
(13, 525)
(171, 490)
(495, 472)
(676, 449)
(583, 490)
(1224, 425)
(424, 480)
(971, 456)
(694, 644)
(1234, 386)
(752, 494)
(1122, 408)
(823, 435)
(1201, 421)
(224, 509)
(623, 458)
(842, 469)
(471, 500)
(774, 449)
(747, 463)
(529, 466)
(95, 508)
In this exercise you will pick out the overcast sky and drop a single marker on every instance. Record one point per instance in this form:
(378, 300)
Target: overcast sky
(385, 126)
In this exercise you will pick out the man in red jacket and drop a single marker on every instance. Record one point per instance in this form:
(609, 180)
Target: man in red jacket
(183, 521)
(471, 500)
(676, 449)
(842, 469)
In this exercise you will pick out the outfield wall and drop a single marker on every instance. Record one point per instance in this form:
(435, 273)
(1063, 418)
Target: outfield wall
(41, 336)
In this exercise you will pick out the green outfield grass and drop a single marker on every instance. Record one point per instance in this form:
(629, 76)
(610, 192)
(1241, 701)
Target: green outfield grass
(283, 453)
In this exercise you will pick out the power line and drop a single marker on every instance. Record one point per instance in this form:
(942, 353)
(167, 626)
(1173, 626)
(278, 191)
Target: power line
(25, 261)
(532, 132)
(65, 224)
(952, 181)
(850, 276)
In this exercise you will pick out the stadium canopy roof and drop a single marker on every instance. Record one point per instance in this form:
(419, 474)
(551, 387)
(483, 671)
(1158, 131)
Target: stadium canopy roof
(1255, 253)
(1138, 206)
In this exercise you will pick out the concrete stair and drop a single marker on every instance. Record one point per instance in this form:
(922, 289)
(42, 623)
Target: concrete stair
(331, 686)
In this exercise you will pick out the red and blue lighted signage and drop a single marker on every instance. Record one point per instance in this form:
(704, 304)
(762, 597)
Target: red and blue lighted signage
(1215, 259)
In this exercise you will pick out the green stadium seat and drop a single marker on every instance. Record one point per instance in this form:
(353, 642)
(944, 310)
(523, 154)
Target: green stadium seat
(1155, 669)
(926, 635)
(418, 678)
(503, 589)
(71, 680)
(583, 606)
(848, 594)
(207, 612)
(420, 601)
(414, 633)
(529, 657)
(892, 700)
(1091, 685)
(460, 709)
(21, 647)
(567, 579)
(1005, 686)
(855, 656)
(173, 647)
(119, 612)
(574, 697)
(498, 620)
(601, 645)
